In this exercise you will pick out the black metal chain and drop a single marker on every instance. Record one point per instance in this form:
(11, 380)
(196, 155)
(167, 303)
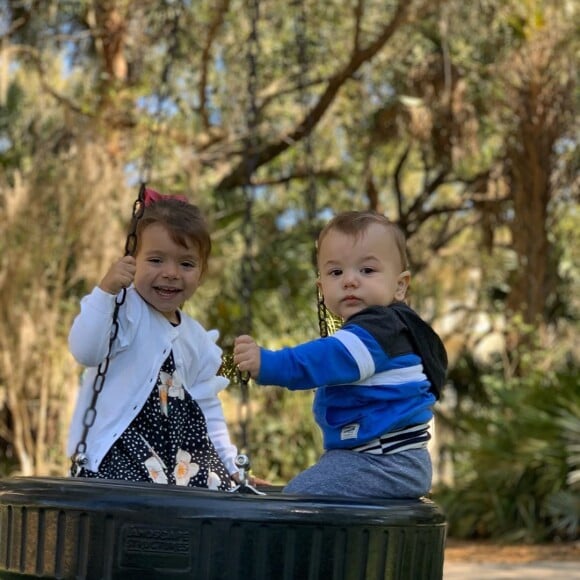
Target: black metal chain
(79, 458)
(301, 35)
(322, 313)
(252, 114)
(172, 19)
(248, 231)
(311, 193)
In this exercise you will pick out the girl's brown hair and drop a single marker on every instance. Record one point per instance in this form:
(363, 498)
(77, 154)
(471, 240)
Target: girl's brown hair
(183, 220)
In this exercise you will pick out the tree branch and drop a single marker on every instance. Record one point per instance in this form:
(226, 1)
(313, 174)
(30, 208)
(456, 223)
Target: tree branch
(212, 32)
(399, 187)
(265, 153)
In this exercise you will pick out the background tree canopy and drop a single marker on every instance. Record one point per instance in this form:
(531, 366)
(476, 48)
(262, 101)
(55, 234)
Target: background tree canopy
(455, 119)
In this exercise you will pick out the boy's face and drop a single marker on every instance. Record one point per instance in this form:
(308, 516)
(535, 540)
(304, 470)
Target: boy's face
(167, 273)
(357, 272)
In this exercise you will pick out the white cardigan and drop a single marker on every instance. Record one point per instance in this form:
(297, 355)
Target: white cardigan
(144, 341)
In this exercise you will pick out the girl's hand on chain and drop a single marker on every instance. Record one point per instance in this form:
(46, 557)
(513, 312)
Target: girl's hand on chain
(120, 275)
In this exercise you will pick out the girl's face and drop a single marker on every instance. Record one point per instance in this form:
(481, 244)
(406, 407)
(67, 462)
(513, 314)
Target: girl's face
(357, 272)
(167, 273)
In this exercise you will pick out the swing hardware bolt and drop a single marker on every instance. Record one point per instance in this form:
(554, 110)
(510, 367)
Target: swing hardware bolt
(79, 460)
(242, 461)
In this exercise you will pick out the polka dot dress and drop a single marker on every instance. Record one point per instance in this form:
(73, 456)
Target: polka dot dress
(167, 442)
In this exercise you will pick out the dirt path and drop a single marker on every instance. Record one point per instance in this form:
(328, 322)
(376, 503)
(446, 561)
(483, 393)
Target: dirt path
(487, 552)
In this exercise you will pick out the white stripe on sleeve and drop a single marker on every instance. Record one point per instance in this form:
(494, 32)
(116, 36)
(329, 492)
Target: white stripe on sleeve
(396, 376)
(358, 350)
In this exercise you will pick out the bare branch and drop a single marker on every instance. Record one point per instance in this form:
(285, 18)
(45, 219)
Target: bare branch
(399, 188)
(358, 16)
(299, 174)
(269, 151)
(212, 32)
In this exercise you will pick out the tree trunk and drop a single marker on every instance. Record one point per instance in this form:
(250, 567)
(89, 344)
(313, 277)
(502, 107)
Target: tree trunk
(530, 189)
(538, 97)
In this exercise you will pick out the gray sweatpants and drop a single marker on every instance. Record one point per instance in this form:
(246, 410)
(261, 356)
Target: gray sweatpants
(344, 473)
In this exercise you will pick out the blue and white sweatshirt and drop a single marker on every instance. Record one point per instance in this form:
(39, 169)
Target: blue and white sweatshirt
(381, 372)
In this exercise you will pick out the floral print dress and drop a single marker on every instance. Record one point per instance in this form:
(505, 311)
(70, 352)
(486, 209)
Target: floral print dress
(167, 442)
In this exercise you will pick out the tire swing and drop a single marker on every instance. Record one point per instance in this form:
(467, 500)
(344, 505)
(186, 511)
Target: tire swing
(88, 529)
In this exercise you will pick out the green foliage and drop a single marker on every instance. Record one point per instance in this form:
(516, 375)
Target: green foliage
(413, 123)
(517, 460)
(283, 438)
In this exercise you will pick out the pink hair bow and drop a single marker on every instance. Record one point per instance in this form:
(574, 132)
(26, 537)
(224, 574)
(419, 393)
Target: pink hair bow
(151, 196)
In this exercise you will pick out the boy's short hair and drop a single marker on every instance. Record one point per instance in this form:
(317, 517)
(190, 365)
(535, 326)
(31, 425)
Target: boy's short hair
(355, 223)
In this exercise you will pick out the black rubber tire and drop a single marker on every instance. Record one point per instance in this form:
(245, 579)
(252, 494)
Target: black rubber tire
(95, 529)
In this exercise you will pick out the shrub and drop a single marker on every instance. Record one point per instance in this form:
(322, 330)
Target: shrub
(517, 460)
